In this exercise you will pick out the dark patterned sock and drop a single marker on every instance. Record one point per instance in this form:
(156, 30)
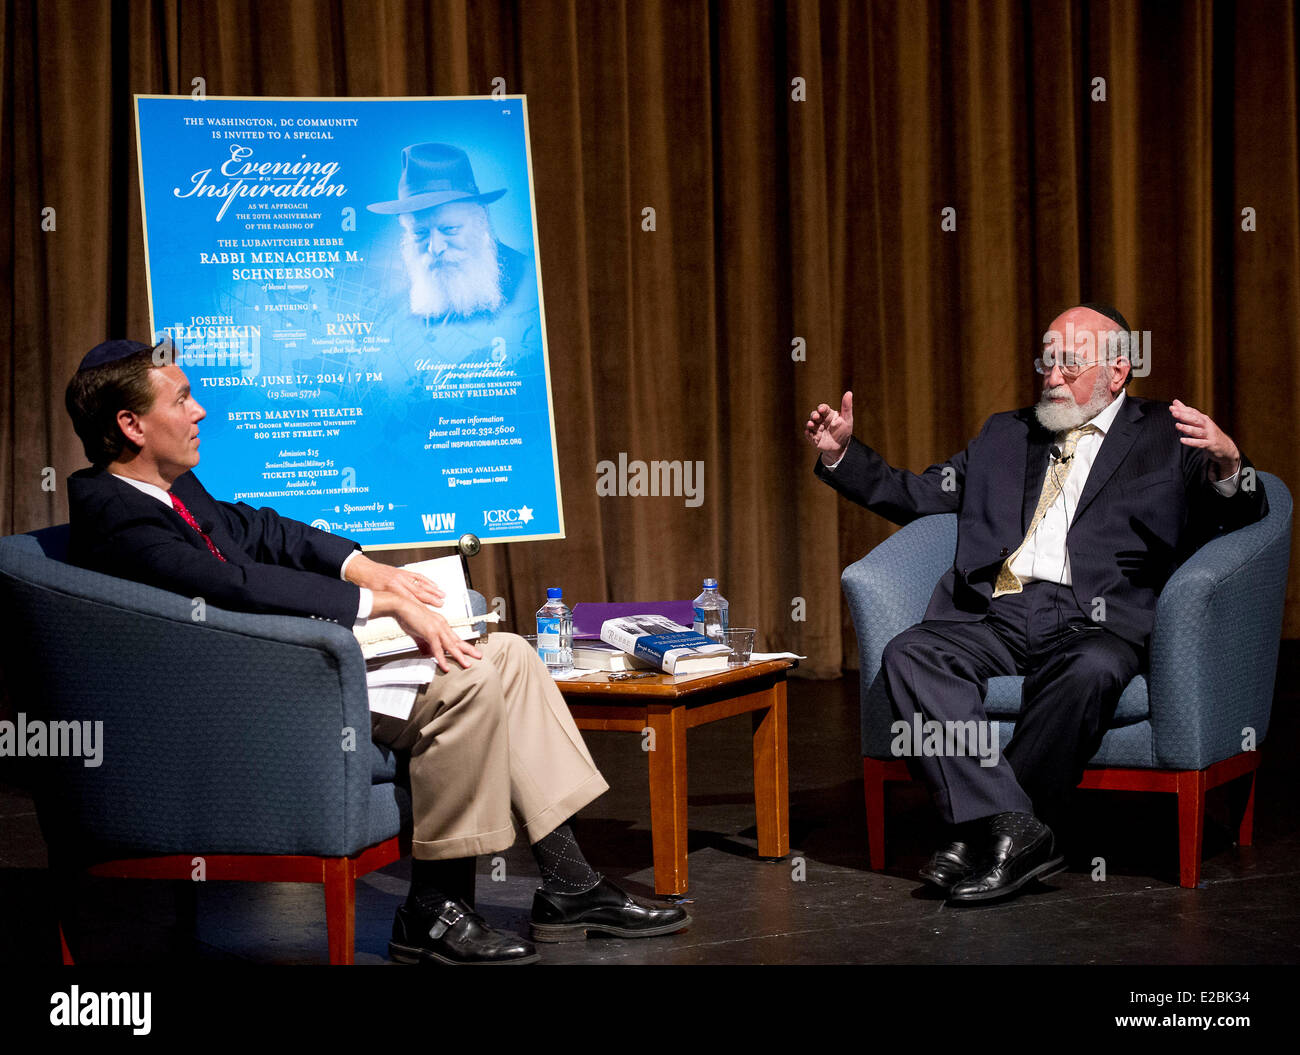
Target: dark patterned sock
(564, 869)
(436, 881)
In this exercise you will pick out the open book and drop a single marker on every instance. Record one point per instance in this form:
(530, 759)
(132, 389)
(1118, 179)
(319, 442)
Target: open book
(384, 636)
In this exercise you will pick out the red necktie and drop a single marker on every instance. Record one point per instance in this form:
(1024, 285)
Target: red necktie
(188, 517)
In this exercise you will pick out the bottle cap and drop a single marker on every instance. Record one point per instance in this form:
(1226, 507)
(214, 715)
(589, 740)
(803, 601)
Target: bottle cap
(554, 593)
(710, 584)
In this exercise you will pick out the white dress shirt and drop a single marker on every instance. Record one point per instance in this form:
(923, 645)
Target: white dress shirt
(1044, 555)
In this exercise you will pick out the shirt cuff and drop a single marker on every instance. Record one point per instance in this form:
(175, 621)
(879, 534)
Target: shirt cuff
(1228, 487)
(366, 603)
(343, 568)
(832, 468)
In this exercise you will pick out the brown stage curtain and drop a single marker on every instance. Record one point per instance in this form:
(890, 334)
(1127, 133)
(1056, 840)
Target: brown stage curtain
(785, 209)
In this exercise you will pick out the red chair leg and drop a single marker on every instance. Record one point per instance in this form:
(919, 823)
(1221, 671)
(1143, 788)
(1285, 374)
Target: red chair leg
(1246, 829)
(340, 909)
(873, 781)
(1191, 826)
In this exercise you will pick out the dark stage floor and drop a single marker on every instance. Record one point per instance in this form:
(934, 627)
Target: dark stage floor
(821, 905)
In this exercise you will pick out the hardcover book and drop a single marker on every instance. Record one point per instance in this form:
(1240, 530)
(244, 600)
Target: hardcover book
(669, 646)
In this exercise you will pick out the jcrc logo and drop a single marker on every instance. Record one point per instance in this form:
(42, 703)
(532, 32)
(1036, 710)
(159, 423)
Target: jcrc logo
(503, 518)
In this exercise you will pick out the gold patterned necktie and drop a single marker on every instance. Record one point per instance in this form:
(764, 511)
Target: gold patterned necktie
(1053, 484)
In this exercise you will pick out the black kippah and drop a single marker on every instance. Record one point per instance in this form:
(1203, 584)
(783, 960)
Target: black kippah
(111, 352)
(1110, 313)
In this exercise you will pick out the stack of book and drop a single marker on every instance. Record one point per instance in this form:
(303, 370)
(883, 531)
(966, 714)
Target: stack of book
(659, 642)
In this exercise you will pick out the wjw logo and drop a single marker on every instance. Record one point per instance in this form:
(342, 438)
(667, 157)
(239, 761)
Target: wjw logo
(439, 521)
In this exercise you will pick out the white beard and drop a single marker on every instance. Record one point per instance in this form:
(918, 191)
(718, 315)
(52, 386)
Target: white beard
(460, 287)
(1070, 415)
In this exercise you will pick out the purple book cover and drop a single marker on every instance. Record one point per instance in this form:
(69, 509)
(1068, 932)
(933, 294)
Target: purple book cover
(589, 615)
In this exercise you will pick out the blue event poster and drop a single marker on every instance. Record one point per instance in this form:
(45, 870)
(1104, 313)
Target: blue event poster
(352, 287)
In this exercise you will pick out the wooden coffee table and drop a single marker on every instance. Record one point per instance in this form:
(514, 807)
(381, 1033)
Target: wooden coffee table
(670, 706)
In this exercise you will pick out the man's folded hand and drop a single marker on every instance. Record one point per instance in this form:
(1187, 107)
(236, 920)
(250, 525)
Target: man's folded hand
(436, 637)
(372, 575)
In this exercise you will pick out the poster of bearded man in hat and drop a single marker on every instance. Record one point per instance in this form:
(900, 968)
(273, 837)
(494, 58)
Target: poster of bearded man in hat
(465, 290)
(377, 260)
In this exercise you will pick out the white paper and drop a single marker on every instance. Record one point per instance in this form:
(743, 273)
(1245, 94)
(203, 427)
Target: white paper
(403, 672)
(393, 687)
(396, 701)
(449, 575)
(576, 672)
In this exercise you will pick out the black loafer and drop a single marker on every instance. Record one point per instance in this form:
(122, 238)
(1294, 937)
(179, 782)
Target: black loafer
(1023, 849)
(949, 866)
(453, 933)
(605, 909)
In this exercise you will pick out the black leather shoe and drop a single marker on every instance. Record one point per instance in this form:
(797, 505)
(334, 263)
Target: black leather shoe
(950, 866)
(452, 933)
(605, 909)
(1022, 850)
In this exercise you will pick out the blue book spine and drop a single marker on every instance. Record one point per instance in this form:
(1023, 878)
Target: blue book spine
(655, 649)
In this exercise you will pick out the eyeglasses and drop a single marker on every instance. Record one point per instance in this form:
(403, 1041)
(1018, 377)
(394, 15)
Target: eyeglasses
(1070, 369)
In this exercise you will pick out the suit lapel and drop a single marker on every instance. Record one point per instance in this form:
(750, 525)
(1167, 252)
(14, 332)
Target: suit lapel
(204, 508)
(1114, 448)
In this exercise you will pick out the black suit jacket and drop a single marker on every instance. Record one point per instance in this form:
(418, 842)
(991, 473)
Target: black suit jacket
(272, 564)
(1147, 505)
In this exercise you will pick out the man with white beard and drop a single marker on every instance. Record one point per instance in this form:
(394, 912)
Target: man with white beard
(1072, 515)
(460, 328)
(459, 274)
(456, 266)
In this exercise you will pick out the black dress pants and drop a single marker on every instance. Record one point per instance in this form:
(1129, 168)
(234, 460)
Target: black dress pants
(1074, 669)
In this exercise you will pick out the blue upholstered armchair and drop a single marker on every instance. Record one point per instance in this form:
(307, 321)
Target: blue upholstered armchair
(1177, 729)
(241, 739)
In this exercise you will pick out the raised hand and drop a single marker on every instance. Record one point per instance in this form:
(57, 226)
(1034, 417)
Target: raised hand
(1199, 430)
(829, 430)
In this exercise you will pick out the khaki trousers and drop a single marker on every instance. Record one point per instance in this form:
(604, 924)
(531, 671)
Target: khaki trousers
(487, 738)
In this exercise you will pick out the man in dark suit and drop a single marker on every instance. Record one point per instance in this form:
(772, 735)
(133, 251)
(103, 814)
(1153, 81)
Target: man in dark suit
(1072, 515)
(477, 748)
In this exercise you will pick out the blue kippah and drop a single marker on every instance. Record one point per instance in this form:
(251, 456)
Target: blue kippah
(111, 352)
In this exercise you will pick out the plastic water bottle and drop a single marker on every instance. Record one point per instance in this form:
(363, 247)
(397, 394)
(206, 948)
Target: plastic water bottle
(711, 611)
(555, 632)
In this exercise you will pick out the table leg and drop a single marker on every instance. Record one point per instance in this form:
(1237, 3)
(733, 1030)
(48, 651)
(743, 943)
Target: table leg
(771, 777)
(668, 797)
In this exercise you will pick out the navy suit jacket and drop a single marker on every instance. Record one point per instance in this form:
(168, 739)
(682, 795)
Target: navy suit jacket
(272, 564)
(1147, 505)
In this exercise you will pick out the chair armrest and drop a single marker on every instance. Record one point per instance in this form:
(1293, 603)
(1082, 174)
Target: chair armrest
(889, 588)
(887, 591)
(222, 732)
(478, 606)
(1215, 643)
